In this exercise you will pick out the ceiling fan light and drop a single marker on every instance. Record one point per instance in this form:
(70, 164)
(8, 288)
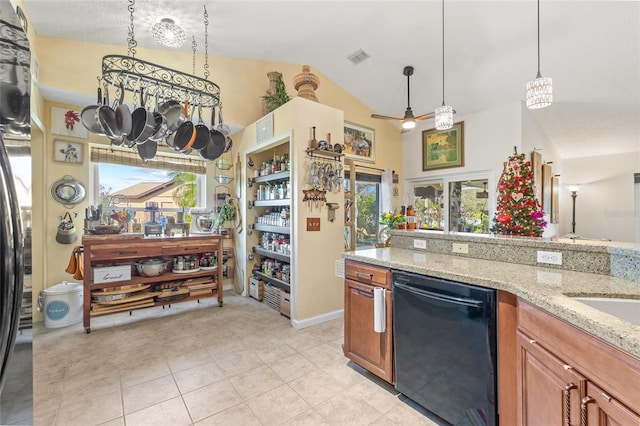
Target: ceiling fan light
(539, 92)
(444, 117)
(408, 123)
(167, 33)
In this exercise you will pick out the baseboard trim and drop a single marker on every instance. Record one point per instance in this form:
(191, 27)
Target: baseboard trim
(329, 316)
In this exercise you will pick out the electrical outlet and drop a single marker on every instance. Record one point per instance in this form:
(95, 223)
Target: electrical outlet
(421, 244)
(550, 257)
(461, 248)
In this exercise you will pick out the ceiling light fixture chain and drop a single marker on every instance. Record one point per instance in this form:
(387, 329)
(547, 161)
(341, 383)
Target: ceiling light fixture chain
(206, 44)
(193, 46)
(443, 113)
(131, 40)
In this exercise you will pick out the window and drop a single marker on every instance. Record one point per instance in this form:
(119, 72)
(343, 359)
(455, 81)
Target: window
(455, 204)
(122, 180)
(469, 206)
(367, 199)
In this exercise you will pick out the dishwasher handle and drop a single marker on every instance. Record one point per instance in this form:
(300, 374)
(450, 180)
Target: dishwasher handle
(441, 297)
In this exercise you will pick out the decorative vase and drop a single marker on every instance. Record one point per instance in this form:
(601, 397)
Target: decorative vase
(306, 83)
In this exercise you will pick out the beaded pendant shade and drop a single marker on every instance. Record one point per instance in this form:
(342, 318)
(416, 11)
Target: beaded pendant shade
(167, 33)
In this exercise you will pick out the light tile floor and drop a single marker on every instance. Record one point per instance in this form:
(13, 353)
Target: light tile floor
(199, 364)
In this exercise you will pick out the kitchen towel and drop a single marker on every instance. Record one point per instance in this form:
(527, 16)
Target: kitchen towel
(379, 310)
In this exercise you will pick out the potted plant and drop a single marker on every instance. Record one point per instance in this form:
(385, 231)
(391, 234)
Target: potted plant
(227, 214)
(276, 94)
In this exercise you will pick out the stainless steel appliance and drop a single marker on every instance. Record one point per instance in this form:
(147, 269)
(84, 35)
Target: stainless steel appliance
(202, 221)
(445, 347)
(16, 393)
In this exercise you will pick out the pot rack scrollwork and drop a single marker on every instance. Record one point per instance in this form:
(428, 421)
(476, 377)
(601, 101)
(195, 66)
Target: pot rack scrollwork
(134, 74)
(167, 83)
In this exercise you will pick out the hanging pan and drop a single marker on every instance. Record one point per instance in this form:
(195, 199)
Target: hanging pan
(160, 129)
(142, 122)
(186, 133)
(123, 114)
(147, 150)
(88, 114)
(202, 132)
(217, 138)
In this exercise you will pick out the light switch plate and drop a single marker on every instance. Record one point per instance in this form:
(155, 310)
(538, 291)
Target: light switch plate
(313, 224)
(550, 257)
(421, 244)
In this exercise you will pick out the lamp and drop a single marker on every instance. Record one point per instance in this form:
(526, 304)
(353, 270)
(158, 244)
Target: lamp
(574, 193)
(540, 89)
(167, 33)
(443, 113)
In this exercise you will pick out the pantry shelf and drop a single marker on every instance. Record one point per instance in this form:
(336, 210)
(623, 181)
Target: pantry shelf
(272, 254)
(273, 280)
(271, 228)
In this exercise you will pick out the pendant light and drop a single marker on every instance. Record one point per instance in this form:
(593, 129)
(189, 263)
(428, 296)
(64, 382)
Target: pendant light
(443, 113)
(540, 89)
(167, 33)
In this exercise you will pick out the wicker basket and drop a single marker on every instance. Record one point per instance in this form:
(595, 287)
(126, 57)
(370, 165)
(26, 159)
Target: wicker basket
(271, 296)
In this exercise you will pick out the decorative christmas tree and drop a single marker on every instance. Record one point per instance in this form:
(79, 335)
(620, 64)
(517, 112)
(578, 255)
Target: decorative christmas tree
(518, 212)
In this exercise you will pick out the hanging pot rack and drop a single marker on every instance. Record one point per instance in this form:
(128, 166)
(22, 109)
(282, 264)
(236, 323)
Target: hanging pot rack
(166, 83)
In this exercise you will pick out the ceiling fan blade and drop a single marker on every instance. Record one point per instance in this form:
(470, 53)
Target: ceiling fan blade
(425, 116)
(386, 117)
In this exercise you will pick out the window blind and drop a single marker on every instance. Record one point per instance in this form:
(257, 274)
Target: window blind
(161, 161)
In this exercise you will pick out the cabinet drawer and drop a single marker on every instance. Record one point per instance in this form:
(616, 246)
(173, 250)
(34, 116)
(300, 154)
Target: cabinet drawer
(121, 252)
(368, 274)
(193, 248)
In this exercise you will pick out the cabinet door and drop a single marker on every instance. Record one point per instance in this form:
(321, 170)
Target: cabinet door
(370, 350)
(600, 409)
(549, 391)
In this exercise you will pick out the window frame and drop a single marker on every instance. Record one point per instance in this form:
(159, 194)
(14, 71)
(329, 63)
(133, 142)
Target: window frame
(445, 180)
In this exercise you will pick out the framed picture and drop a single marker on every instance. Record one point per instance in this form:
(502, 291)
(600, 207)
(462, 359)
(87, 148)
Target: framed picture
(536, 166)
(359, 142)
(66, 122)
(443, 149)
(67, 152)
(546, 188)
(555, 199)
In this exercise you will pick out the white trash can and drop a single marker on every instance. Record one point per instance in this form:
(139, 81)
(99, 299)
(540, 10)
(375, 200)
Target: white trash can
(62, 304)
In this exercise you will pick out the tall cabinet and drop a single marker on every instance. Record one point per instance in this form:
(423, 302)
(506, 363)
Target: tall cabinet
(315, 241)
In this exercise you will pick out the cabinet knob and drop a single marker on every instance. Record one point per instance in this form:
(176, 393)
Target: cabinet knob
(533, 342)
(605, 396)
(567, 367)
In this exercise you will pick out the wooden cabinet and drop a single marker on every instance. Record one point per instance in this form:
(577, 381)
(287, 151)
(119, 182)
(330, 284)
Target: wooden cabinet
(125, 250)
(568, 377)
(367, 348)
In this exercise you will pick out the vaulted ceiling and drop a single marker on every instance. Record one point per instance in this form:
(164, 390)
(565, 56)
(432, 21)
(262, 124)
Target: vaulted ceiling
(591, 49)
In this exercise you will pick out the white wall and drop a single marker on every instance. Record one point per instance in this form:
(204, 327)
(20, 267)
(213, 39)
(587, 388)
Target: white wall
(489, 138)
(605, 204)
(534, 138)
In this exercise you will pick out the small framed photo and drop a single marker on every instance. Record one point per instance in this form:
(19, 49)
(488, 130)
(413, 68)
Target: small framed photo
(67, 152)
(536, 166)
(66, 122)
(547, 174)
(555, 199)
(359, 142)
(443, 149)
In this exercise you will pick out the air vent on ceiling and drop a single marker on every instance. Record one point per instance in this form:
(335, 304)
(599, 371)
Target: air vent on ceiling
(358, 57)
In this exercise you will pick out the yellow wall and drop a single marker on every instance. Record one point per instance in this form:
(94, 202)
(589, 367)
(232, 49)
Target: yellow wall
(73, 66)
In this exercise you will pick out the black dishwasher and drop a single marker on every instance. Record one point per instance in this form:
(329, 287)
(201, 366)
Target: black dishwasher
(445, 347)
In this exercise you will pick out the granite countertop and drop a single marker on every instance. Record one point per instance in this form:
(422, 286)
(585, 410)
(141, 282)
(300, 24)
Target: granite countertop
(546, 288)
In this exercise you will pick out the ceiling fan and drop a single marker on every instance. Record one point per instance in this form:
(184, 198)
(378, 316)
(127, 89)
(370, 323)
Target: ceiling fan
(409, 120)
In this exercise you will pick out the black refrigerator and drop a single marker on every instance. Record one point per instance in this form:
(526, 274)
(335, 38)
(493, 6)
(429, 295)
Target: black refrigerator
(16, 371)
